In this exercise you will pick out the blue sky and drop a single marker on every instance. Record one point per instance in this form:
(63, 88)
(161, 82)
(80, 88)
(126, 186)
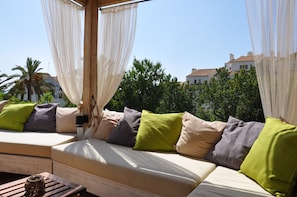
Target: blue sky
(180, 34)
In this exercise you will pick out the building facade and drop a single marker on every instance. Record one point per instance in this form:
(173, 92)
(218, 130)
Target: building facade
(233, 66)
(57, 90)
(200, 75)
(245, 62)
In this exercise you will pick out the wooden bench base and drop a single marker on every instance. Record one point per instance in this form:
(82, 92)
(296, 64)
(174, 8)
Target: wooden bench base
(25, 164)
(97, 185)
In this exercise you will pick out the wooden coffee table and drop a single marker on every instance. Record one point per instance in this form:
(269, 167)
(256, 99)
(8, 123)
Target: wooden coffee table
(54, 186)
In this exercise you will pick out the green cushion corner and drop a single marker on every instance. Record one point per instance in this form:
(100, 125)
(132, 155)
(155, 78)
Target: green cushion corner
(158, 132)
(272, 160)
(14, 116)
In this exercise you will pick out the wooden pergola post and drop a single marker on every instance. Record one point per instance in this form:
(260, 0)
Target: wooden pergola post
(90, 49)
(90, 55)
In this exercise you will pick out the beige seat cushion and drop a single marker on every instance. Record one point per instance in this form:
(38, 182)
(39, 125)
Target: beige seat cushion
(225, 182)
(31, 143)
(165, 174)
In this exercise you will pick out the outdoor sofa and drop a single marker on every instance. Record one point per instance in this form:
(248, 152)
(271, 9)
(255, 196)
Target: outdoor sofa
(145, 154)
(178, 154)
(29, 131)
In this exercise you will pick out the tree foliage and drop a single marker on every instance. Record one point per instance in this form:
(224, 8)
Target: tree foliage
(249, 106)
(138, 85)
(30, 81)
(177, 97)
(224, 96)
(46, 98)
(147, 86)
(5, 81)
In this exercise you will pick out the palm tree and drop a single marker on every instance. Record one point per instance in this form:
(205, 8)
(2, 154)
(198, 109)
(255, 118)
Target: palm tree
(30, 81)
(5, 83)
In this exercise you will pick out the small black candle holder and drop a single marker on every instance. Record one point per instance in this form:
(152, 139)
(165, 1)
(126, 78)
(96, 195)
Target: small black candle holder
(35, 186)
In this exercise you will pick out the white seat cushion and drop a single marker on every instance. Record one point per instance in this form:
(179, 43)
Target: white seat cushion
(229, 183)
(31, 143)
(164, 174)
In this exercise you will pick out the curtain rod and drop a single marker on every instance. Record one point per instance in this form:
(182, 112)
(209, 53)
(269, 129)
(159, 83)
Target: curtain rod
(121, 4)
(76, 3)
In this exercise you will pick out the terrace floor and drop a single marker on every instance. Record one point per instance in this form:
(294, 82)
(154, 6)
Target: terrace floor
(8, 177)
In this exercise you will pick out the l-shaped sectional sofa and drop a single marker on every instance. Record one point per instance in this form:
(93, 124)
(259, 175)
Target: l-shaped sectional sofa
(114, 170)
(111, 169)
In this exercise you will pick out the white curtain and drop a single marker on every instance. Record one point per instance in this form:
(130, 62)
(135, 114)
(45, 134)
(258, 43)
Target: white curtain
(273, 25)
(115, 41)
(63, 21)
(116, 34)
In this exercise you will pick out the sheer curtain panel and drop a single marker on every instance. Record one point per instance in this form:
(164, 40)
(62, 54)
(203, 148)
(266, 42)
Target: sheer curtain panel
(116, 34)
(273, 25)
(63, 21)
(115, 41)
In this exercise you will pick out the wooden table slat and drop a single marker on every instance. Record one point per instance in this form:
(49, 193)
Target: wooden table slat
(18, 186)
(16, 191)
(55, 190)
(54, 186)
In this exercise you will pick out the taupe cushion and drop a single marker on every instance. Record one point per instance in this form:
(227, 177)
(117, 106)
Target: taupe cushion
(164, 174)
(237, 139)
(109, 121)
(198, 136)
(65, 119)
(125, 132)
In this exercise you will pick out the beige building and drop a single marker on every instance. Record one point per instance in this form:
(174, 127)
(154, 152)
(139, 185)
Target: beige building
(200, 75)
(57, 91)
(233, 66)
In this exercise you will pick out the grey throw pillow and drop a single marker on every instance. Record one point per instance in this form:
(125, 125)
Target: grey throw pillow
(43, 118)
(237, 139)
(125, 132)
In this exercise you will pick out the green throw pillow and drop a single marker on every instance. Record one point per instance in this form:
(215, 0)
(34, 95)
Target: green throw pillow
(14, 116)
(272, 160)
(158, 132)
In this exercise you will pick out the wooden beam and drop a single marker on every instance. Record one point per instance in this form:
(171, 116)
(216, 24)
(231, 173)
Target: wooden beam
(90, 49)
(102, 3)
(81, 2)
(90, 55)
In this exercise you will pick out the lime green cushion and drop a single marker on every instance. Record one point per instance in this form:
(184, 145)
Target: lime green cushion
(158, 132)
(272, 160)
(14, 116)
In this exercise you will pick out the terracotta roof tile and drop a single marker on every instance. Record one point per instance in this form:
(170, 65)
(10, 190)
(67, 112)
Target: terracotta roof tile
(242, 59)
(232, 73)
(202, 72)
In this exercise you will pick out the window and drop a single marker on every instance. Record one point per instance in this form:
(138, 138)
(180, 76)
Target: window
(244, 66)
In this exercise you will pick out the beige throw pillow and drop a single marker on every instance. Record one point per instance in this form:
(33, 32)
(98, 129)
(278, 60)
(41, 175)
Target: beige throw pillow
(198, 136)
(109, 121)
(65, 119)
